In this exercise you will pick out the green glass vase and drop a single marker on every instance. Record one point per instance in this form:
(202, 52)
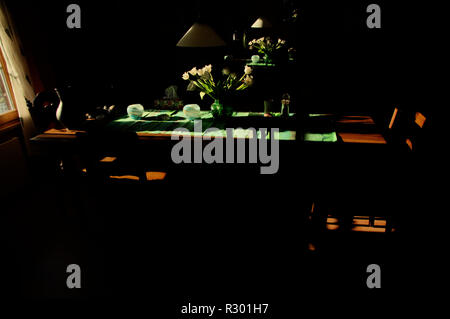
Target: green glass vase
(219, 110)
(268, 59)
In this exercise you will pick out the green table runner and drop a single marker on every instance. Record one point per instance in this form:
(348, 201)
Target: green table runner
(159, 122)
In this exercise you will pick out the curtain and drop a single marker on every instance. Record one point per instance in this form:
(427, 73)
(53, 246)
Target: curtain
(17, 68)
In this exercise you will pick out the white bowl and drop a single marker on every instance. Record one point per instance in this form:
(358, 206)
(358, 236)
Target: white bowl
(191, 111)
(255, 58)
(135, 111)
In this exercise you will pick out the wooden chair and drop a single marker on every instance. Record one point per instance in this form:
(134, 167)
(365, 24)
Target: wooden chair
(406, 127)
(371, 195)
(106, 157)
(416, 136)
(359, 129)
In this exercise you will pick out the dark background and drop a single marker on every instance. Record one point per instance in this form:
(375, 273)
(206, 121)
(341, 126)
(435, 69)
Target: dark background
(131, 46)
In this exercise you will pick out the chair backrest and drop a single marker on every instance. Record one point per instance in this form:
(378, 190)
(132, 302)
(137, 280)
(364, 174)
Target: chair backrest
(420, 119)
(393, 118)
(407, 128)
(397, 126)
(415, 138)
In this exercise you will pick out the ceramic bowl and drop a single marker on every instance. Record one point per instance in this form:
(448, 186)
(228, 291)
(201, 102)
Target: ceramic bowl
(191, 111)
(255, 58)
(135, 111)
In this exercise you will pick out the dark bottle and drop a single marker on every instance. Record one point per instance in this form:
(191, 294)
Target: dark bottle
(285, 103)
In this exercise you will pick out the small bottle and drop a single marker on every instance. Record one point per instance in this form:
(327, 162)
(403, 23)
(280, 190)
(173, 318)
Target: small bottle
(285, 102)
(268, 107)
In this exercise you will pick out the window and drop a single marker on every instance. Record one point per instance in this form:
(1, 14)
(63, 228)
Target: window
(8, 113)
(6, 104)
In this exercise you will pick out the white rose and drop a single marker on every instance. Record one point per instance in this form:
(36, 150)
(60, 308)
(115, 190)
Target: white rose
(185, 76)
(194, 71)
(248, 70)
(208, 68)
(248, 80)
(201, 72)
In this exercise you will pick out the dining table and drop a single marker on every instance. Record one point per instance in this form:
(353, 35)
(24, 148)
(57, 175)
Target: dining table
(162, 124)
(323, 140)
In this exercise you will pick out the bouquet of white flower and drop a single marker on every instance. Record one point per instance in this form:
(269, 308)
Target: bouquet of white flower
(203, 80)
(266, 46)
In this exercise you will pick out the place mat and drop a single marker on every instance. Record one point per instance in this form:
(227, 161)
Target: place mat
(321, 137)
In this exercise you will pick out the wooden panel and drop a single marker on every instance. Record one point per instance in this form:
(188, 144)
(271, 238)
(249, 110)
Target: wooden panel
(126, 177)
(409, 143)
(353, 129)
(420, 119)
(394, 116)
(64, 132)
(56, 134)
(155, 176)
(372, 138)
(150, 176)
(367, 229)
(9, 126)
(8, 117)
(108, 159)
(356, 120)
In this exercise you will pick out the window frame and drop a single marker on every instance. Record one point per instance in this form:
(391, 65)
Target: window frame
(10, 118)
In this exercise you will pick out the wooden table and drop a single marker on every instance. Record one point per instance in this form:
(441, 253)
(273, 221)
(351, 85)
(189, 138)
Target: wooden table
(348, 136)
(348, 129)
